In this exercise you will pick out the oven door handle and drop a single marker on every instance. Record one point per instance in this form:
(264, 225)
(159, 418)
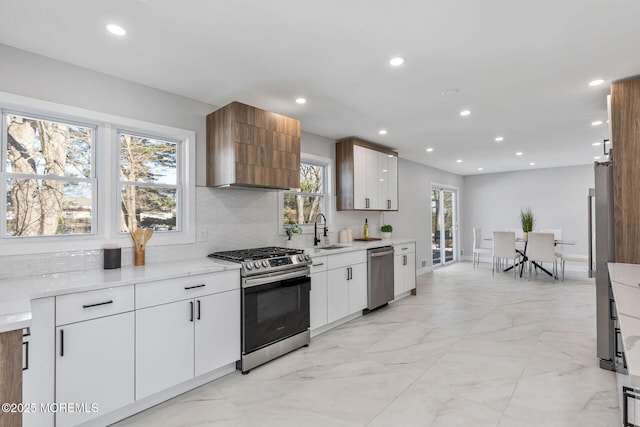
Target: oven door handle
(257, 281)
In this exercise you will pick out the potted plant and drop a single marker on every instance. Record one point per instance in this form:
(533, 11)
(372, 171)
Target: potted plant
(528, 222)
(290, 229)
(386, 231)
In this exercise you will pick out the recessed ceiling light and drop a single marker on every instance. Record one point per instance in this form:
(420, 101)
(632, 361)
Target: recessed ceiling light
(116, 29)
(532, 163)
(429, 150)
(465, 113)
(519, 153)
(595, 144)
(597, 158)
(301, 100)
(459, 161)
(499, 138)
(381, 179)
(480, 169)
(596, 82)
(596, 123)
(382, 132)
(396, 61)
(385, 170)
(450, 92)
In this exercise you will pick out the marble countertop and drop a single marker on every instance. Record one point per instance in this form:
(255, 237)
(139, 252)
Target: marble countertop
(316, 251)
(16, 294)
(625, 279)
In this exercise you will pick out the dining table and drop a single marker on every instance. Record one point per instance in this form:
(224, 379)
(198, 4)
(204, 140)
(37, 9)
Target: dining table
(524, 258)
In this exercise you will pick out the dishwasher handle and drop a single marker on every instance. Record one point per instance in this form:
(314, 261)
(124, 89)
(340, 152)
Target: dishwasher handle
(377, 254)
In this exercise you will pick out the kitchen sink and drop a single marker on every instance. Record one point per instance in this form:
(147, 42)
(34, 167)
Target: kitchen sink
(331, 247)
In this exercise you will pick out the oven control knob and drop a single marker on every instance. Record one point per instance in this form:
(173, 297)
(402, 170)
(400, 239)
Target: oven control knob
(265, 263)
(307, 257)
(249, 265)
(300, 257)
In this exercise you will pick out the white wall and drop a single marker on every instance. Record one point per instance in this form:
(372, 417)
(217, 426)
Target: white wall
(557, 197)
(231, 218)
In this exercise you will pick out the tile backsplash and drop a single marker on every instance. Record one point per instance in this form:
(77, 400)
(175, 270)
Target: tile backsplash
(231, 219)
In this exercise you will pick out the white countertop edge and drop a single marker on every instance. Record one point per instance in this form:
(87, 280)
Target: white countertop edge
(16, 294)
(317, 251)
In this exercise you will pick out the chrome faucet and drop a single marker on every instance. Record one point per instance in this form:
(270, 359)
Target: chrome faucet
(315, 229)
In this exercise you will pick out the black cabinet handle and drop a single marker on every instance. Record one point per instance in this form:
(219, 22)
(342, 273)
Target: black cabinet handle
(26, 353)
(61, 342)
(404, 260)
(318, 265)
(349, 273)
(97, 304)
(366, 203)
(388, 204)
(191, 309)
(186, 288)
(198, 309)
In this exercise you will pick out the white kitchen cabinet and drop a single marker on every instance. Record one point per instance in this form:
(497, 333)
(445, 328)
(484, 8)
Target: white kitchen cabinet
(404, 268)
(94, 366)
(367, 176)
(38, 380)
(94, 354)
(185, 327)
(346, 284)
(318, 294)
(217, 331)
(357, 288)
(164, 347)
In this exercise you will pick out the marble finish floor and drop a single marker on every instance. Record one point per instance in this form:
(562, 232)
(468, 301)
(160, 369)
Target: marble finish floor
(469, 350)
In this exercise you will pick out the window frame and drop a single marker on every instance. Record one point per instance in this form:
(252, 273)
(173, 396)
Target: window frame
(178, 185)
(4, 174)
(327, 164)
(105, 160)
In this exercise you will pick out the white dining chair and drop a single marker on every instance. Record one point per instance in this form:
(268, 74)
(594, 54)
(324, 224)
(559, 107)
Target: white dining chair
(557, 235)
(541, 248)
(504, 248)
(477, 249)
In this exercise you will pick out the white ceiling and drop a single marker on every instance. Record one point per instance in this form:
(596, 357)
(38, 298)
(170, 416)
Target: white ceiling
(522, 67)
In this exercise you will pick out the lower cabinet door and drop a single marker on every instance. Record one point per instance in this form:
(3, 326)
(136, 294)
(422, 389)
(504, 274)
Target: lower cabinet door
(164, 346)
(398, 274)
(38, 380)
(94, 368)
(318, 300)
(410, 272)
(358, 288)
(217, 333)
(337, 294)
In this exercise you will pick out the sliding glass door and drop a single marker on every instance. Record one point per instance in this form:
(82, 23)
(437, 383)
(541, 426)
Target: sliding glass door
(444, 225)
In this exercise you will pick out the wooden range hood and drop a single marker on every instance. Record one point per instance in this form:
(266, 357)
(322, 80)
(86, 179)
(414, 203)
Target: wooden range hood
(251, 147)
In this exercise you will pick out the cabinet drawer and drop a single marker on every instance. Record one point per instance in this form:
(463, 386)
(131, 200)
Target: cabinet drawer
(319, 264)
(404, 248)
(346, 259)
(81, 306)
(165, 291)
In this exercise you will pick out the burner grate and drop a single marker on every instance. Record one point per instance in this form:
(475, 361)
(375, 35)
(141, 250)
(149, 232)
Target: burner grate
(242, 255)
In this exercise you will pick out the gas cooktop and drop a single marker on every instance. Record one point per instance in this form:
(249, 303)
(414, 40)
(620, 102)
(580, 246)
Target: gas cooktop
(241, 255)
(265, 260)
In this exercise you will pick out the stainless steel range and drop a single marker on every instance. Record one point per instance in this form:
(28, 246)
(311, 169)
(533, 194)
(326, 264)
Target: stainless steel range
(275, 302)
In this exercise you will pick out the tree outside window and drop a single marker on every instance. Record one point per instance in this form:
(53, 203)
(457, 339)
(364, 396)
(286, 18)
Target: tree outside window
(149, 184)
(48, 177)
(301, 206)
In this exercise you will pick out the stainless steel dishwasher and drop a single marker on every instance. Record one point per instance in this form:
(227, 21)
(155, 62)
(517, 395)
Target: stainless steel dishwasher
(379, 277)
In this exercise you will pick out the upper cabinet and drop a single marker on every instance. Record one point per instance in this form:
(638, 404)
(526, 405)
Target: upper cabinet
(366, 176)
(250, 147)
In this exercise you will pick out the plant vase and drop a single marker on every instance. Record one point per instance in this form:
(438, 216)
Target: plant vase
(385, 235)
(525, 236)
(288, 243)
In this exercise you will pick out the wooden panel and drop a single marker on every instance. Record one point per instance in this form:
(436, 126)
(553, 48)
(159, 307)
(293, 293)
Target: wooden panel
(11, 376)
(250, 146)
(625, 126)
(344, 175)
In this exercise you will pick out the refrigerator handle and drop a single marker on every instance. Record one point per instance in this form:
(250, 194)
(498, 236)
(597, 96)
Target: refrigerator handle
(590, 198)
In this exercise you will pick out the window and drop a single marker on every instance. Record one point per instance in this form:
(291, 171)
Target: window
(149, 183)
(48, 177)
(74, 179)
(301, 206)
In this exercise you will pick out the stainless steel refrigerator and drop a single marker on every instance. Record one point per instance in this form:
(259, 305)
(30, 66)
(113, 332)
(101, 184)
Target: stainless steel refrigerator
(601, 252)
